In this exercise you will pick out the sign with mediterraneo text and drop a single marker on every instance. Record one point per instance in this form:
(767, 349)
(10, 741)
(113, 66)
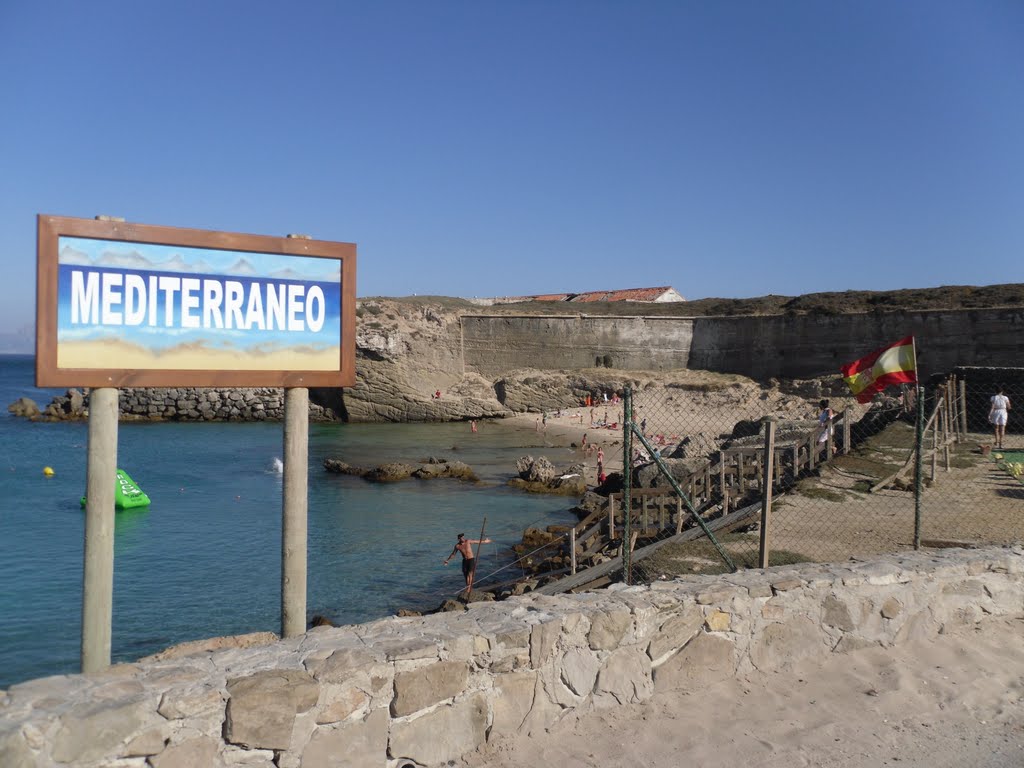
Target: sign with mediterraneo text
(126, 304)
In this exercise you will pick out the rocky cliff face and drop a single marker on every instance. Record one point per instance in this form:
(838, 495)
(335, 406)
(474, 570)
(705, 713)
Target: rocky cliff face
(405, 354)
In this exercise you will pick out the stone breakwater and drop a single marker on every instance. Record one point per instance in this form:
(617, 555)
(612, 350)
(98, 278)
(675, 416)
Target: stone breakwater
(175, 404)
(422, 691)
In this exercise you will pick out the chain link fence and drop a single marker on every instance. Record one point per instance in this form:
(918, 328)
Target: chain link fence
(824, 480)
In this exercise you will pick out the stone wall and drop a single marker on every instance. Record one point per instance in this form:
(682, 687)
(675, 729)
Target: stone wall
(761, 347)
(423, 691)
(185, 404)
(494, 345)
(804, 346)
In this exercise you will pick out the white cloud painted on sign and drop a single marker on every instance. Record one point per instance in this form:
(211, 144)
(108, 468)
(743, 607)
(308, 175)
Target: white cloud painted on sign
(326, 270)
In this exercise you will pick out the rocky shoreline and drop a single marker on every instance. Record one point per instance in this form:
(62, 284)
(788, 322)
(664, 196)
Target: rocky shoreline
(172, 404)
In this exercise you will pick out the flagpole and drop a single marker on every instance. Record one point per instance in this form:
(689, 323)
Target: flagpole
(913, 347)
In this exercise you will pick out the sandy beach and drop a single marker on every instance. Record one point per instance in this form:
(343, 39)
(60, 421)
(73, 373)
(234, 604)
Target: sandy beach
(569, 426)
(952, 701)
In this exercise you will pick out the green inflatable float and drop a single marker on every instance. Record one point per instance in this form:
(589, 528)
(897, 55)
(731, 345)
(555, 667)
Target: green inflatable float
(127, 495)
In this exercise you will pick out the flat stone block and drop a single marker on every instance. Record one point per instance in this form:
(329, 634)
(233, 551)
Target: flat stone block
(780, 645)
(784, 585)
(261, 709)
(340, 665)
(579, 671)
(704, 660)
(718, 621)
(420, 688)
(836, 613)
(202, 750)
(675, 633)
(624, 679)
(512, 701)
(91, 731)
(607, 629)
(542, 641)
(364, 743)
(442, 735)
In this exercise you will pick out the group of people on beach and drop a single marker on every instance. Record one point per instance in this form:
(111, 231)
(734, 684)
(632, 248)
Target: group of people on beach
(592, 400)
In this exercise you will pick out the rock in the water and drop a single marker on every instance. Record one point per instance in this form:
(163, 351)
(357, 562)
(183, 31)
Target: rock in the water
(389, 473)
(455, 469)
(24, 407)
(341, 468)
(535, 538)
(394, 471)
(538, 470)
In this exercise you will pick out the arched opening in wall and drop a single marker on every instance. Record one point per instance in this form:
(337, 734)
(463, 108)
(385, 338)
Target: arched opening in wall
(608, 362)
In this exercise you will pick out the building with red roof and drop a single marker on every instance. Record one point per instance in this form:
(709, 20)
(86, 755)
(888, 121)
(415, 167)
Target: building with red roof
(661, 294)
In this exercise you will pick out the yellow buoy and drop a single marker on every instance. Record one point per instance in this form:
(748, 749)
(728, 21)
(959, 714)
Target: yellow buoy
(48, 471)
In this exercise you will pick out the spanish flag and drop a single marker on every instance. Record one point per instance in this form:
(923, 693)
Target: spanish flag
(894, 364)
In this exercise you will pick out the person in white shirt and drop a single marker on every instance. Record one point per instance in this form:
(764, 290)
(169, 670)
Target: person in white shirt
(997, 415)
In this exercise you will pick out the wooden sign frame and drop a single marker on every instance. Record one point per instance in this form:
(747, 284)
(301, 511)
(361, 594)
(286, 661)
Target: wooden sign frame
(50, 374)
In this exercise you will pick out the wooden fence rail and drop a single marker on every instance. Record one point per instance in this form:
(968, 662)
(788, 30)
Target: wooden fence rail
(714, 487)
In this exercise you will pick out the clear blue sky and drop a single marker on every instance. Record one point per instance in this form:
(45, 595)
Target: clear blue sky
(478, 148)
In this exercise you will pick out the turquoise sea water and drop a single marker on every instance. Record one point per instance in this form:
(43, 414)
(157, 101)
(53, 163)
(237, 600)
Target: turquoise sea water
(204, 559)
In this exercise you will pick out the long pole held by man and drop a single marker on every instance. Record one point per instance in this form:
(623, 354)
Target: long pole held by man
(464, 547)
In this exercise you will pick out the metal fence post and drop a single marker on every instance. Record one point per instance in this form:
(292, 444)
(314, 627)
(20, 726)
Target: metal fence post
(918, 466)
(627, 483)
(764, 553)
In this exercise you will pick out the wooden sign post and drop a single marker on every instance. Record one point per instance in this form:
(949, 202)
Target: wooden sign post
(122, 304)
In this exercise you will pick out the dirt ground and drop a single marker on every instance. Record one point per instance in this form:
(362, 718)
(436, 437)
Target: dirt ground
(953, 701)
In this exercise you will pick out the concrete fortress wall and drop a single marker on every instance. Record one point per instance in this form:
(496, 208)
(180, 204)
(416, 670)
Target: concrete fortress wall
(426, 690)
(761, 347)
(494, 345)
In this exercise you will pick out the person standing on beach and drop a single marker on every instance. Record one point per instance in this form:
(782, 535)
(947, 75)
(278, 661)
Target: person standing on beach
(998, 415)
(600, 464)
(825, 417)
(464, 547)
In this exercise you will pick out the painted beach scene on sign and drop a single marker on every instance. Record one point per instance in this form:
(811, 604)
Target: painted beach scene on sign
(152, 306)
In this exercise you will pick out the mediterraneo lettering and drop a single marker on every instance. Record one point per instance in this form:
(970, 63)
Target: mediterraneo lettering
(112, 298)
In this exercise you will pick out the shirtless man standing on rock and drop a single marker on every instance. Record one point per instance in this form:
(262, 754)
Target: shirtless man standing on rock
(464, 547)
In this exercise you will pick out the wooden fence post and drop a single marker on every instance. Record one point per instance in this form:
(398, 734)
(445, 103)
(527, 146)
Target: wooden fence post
(572, 550)
(963, 407)
(764, 553)
(947, 430)
(721, 472)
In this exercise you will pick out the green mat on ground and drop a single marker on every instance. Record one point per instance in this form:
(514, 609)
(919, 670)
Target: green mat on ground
(1011, 461)
(1009, 457)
